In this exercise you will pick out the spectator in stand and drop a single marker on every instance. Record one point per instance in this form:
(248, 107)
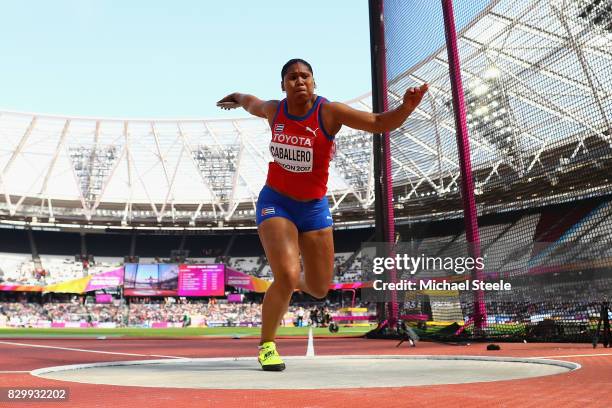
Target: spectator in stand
(300, 317)
(314, 317)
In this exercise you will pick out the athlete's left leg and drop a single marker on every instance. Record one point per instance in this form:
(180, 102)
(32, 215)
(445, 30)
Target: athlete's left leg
(317, 250)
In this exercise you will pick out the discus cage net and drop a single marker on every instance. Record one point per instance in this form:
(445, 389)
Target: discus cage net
(533, 106)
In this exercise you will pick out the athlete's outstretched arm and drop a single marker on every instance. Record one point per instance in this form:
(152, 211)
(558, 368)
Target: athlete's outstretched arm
(250, 103)
(343, 114)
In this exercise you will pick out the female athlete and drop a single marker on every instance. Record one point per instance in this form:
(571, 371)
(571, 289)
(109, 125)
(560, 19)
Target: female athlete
(293, 216)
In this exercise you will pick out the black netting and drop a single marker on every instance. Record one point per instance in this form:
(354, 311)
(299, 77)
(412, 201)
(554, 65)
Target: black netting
(537, 85)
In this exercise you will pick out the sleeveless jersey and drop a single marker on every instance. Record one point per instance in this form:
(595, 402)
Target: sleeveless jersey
(302, 150)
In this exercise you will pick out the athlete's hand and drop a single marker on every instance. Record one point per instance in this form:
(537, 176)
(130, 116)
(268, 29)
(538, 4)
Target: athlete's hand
(413, 96)
(229, 102)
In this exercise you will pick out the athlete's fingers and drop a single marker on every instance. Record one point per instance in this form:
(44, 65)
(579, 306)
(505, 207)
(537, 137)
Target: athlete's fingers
(418, 90)
(414, 95)
(228, 105)
(228, 102)
(228, 98)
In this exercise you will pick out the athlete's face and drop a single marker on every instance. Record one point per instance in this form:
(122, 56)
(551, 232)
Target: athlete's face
(298, 83)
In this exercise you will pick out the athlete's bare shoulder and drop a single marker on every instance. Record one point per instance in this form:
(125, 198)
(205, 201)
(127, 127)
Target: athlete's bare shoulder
(329, 116)
(270, 108)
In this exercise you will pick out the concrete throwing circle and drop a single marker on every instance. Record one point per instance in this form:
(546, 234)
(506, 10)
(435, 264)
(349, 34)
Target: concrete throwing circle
(308, 373)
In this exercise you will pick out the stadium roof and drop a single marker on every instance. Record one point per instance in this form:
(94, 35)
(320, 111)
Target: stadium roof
(152, 166)
(539, 92)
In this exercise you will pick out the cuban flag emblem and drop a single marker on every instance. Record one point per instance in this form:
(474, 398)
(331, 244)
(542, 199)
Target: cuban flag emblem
(267, 211)
(279, 127)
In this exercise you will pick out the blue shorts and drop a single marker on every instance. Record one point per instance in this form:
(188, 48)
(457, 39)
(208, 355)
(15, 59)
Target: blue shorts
(307, 216)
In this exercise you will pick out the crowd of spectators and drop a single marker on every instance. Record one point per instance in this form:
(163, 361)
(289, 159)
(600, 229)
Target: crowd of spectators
(201, 313)
(20, 269)
(225, 314)
(24, 314)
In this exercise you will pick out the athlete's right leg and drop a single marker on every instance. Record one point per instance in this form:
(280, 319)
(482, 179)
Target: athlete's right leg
(279, 238)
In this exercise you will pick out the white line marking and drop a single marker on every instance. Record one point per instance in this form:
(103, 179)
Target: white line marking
(310, 352)
(85, 351)
(576, 355)
(159, 355)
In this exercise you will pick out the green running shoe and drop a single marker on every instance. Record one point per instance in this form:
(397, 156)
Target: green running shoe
(269, 358)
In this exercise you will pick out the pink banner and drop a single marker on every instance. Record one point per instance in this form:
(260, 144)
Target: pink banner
(350, 285)
(423, 317)
(345, 317)
(148, 292)
(238, 279)
(165, 325)
(110, 279)
(104, 298)
(235, 298)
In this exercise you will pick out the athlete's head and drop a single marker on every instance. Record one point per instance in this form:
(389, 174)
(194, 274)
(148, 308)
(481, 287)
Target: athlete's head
(297, 79)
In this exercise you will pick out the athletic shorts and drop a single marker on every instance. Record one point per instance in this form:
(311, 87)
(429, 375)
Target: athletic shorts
(307, 216)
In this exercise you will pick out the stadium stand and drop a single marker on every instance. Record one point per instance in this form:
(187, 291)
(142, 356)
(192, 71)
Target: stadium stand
(141, 314)
(569, 303)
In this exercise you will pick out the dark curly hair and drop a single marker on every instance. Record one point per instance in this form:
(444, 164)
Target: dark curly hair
(294, 61)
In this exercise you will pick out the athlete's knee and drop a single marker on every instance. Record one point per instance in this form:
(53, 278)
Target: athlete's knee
(288, 279)
(318, 291)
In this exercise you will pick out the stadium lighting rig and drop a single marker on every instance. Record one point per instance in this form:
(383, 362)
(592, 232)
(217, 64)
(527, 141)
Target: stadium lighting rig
(596, 12)
(488, 115)
(352, 161)
(218, 165)
(92, 165)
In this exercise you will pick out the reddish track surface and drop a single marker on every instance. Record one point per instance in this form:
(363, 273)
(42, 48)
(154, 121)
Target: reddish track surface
(590, 386)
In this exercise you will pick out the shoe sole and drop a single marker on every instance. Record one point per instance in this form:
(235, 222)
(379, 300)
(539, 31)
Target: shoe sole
(273, 367)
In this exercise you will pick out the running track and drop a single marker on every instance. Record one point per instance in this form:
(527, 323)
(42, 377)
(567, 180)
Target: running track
(590, 386)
